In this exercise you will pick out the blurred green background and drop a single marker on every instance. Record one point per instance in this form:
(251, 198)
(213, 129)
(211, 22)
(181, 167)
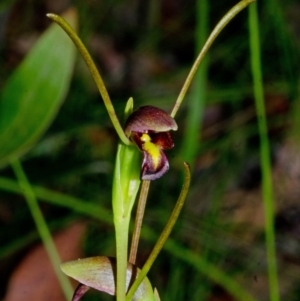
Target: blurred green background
(145, 49)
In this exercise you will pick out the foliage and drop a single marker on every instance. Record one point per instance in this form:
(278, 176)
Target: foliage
(80, 152)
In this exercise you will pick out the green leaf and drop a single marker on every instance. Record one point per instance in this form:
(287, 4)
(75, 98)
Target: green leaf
(100, 273)
(33, 94)
(125, 187)
(126, 180)
(156, 295)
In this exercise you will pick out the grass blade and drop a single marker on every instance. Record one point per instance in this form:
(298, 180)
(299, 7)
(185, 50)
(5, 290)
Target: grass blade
(42, 227)
(265, 158)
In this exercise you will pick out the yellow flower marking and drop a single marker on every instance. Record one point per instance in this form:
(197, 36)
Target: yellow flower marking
(152, 149)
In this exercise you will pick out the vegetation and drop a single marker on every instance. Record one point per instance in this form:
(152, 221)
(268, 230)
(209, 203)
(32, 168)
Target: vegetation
(237, 127)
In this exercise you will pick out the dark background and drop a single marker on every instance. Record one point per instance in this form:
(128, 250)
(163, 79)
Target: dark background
(144, 49)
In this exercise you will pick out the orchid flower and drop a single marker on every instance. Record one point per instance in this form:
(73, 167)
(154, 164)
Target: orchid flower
(149, 129)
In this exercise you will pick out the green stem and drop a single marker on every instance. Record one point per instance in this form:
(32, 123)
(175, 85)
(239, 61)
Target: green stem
(138, 221)
(265, 157)
(164, 235)
(219, 27)
(42, 227)
(122, 229)
(94, 71)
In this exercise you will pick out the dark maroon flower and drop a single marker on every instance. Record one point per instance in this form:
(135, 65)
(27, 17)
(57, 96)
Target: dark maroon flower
(148, 127)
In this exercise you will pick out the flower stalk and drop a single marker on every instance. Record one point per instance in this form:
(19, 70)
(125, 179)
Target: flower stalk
(165, 234)
(138, 221)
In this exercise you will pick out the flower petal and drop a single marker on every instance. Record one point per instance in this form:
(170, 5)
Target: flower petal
(155, 163)
(163, 140)
(81, 289)
(149, 118)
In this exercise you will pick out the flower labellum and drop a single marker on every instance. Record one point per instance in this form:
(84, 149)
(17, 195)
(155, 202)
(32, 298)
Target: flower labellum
(148, 127)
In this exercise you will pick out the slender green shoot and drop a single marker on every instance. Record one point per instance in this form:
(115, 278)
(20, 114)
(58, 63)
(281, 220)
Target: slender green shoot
(164, 235)
(219, 27)
(265, 158)
(126, 184)
(95, 73)
(138, 221)
(42, 227)
(121, 229)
